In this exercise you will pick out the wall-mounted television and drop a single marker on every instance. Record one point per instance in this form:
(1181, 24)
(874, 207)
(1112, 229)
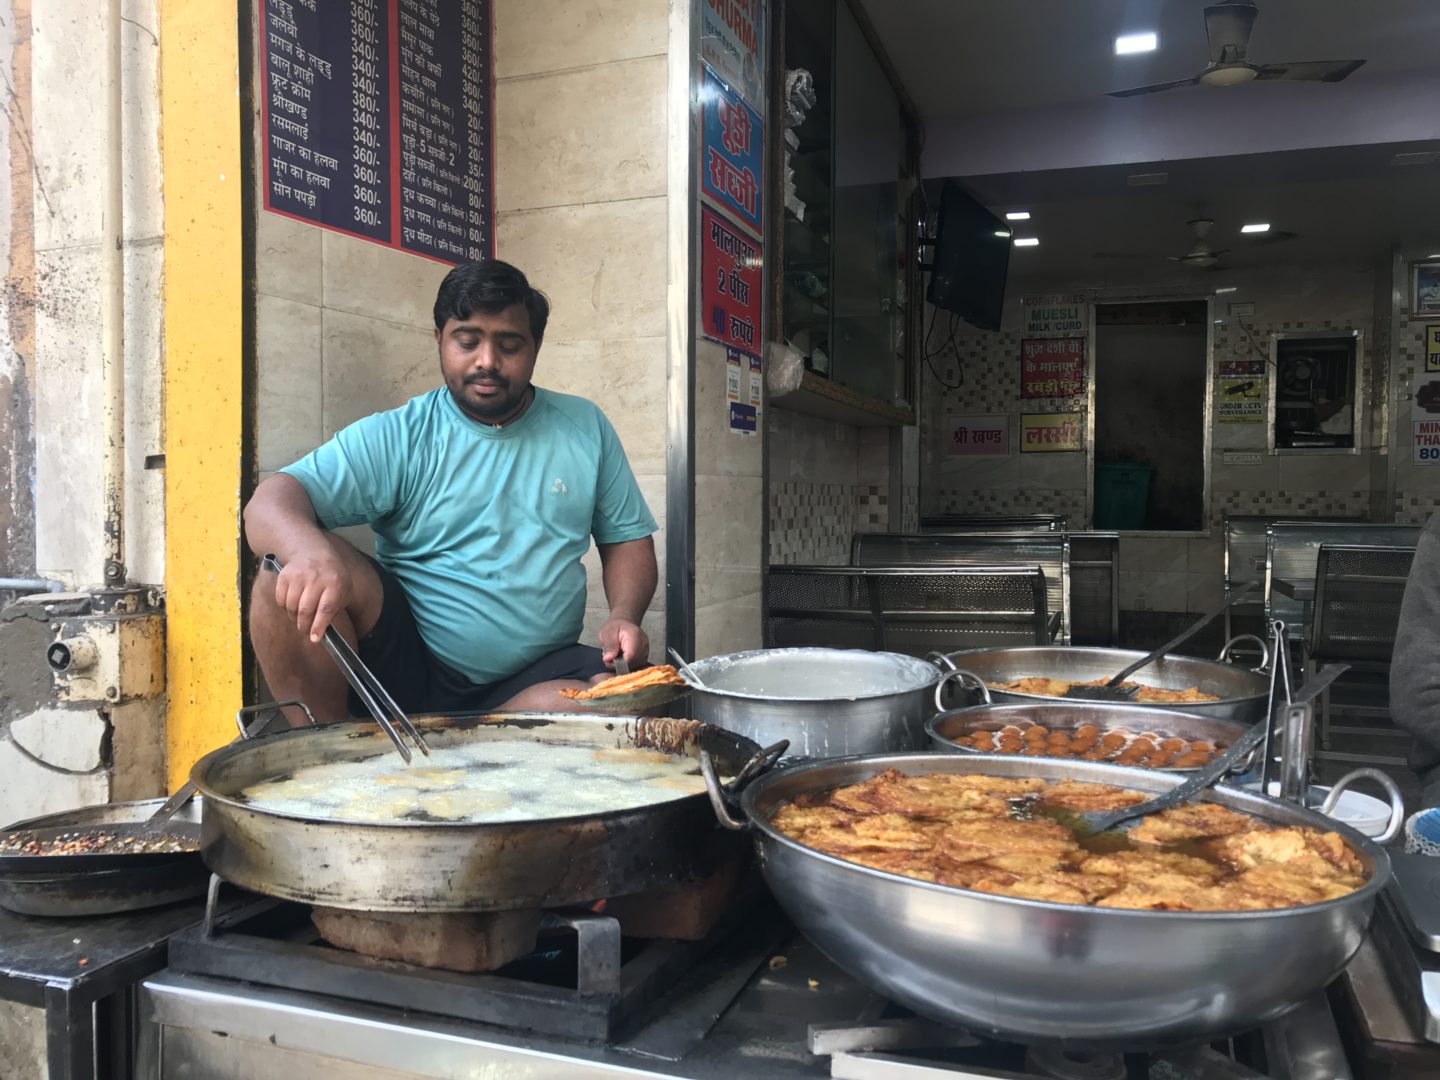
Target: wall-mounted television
(972, 256)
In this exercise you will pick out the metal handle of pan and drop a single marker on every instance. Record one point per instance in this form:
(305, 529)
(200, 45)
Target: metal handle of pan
(960, 675)
(249, 731)
(1264, 664)
(940, 660)
(1392, 791)
(719, 793)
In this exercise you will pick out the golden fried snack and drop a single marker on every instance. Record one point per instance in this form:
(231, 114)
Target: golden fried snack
(1189, 821)
(658, 675)
(963, 832)
(1153, 695)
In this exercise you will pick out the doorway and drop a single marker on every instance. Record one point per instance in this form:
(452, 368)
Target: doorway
(1151, 437)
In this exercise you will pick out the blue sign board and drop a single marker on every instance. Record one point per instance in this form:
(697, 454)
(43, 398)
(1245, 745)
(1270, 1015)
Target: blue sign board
(732, 163)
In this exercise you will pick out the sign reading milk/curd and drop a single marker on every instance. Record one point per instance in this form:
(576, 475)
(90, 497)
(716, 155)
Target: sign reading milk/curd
(1063, 314)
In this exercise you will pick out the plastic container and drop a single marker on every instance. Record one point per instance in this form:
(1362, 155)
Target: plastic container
(1122, 493)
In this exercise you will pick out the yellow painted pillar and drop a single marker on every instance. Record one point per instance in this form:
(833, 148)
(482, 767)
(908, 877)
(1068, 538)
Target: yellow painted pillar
(204, 364)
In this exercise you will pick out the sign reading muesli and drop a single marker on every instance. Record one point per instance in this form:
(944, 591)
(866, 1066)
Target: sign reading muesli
(1066, 314)
(1052, 367)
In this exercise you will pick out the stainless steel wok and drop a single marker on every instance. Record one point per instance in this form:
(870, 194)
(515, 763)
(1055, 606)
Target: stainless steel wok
(1243, 692)
(944, 728)
(825, 702)
(1041, 972)
(429, 866)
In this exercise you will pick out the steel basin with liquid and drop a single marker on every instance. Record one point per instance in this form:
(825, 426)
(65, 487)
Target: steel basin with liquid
(826, 702)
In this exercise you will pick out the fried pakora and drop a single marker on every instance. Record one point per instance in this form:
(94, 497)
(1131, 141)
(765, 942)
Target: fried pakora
(993, 835)
(1151, 695)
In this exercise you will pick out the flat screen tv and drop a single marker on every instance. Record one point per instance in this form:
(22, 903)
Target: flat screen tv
(972, 255)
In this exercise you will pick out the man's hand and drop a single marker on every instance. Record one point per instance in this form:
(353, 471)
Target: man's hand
(312, 587)
(621, 637)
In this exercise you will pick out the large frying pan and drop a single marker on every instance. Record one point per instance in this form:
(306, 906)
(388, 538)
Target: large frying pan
(102, 884)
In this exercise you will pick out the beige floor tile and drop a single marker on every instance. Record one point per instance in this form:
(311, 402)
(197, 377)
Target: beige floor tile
(288, 390)
(367, 279)
(370, 365)
(288, 259)
(627, 378)
(551, 35)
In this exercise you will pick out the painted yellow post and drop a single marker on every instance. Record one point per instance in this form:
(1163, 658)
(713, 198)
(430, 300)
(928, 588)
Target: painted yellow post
(200, 140)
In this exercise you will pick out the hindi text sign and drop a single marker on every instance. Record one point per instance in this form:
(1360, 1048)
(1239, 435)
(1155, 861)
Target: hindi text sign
(729, 284)
(1052, 433)
(732, 41)
(732, 153)
(1052, 367)
(971, 435)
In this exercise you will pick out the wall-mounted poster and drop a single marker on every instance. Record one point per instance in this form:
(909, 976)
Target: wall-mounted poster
(1432, 347)
(729, 284)
(970, 435)
(1052, 433)
(732, 41)
(732, 172)
(1426, 442)
(1065, 314)
(1425, 290)
(375, 121)
(1052, 367)
(1240, 399)
(742, 391)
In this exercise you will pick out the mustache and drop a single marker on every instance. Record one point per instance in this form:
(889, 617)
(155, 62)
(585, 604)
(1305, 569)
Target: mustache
(486, 380)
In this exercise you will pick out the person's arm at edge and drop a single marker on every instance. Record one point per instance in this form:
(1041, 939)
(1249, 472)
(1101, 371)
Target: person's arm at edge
(315, 584)
(630, 575)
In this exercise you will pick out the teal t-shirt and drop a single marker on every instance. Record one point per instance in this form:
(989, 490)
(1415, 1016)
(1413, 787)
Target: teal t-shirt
(483, 526)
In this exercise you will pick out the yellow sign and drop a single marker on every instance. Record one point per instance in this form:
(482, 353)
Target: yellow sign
(1052, 433)
(1432, 347)
(1240, 401)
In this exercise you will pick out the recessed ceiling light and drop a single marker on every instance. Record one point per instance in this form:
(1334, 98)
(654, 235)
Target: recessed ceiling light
(1027, 241)
(1004, 234)
(1017, 215)
(1258, 226)
(1126, 44)
(1435, 256)
(1419, 157)
(1226, 288)
(1147, 179)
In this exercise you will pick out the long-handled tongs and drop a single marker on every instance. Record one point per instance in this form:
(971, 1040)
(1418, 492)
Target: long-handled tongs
(377, 699)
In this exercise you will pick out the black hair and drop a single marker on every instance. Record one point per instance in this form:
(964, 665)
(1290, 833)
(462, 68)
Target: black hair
(489, 287)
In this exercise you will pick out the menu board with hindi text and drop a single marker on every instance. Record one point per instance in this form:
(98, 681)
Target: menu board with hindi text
(376, 120)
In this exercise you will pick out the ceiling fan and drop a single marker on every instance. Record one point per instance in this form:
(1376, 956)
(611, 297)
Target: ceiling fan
(1227, 28)
(1201, 255)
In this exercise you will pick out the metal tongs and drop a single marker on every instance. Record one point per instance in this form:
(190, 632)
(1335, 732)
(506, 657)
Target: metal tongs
(377, 699)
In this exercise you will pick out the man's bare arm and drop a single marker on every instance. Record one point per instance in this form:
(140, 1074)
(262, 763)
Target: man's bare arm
(630, 575)
(315, 583)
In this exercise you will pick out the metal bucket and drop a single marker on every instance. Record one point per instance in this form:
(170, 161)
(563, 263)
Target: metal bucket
(826, 702)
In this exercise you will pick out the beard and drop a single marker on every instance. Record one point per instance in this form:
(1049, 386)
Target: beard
(492, 408)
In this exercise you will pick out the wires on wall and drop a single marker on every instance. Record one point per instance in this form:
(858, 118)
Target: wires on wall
(948, 342)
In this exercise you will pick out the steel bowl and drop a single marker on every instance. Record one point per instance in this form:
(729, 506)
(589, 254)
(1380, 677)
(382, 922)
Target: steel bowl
(944, 728)
(1242, 692)
(1086, 977)
(826, 702)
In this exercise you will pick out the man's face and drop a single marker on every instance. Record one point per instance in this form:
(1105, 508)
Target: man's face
(487, 361)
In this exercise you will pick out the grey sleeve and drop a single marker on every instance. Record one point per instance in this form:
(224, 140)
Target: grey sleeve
(1415, 666)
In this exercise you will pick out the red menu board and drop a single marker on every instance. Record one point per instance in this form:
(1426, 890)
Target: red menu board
(729, 284)
(1052, 367)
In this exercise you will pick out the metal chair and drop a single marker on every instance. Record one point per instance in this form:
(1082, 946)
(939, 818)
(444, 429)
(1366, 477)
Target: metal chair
(1358, 590)
(955, 523)
(905, 610)
(1095, 588)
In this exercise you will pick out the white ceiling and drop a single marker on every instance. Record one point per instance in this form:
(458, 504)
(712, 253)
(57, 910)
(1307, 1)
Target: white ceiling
(961, 57)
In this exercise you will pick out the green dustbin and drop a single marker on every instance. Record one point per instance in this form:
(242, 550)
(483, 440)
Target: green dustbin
(1121, 495)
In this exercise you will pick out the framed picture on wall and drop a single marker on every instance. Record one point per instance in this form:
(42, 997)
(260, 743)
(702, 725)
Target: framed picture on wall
(1425, 290)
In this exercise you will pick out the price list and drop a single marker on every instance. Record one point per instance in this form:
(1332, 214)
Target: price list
(377, 120)
(444, 138)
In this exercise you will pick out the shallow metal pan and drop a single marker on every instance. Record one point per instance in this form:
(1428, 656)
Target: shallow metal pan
(1057, 973)
(406, 865)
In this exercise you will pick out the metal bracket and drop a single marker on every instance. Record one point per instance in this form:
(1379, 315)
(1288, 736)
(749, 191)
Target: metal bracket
(597, 962)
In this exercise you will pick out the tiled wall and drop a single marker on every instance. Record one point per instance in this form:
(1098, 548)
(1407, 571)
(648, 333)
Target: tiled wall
(344, 327)
(1180, 574)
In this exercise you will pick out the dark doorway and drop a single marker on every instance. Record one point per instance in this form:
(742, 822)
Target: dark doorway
(1150, 386)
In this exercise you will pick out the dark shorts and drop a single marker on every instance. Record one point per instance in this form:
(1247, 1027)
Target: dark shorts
(421, 682)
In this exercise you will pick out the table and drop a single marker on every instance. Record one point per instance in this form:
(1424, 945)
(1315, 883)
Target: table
(66, 965)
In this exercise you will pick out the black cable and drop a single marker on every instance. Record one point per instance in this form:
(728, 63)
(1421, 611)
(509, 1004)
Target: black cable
(930, 356)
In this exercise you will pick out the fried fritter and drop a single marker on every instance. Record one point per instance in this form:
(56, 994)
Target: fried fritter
(1189, 821)
(1077, 795)
(958, 831)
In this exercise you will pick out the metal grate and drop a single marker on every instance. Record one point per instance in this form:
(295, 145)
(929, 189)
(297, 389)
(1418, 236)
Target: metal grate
(1049, 551)
(960, 523)
(905, 610)
(1292, 554)
(1357, 601)
(1094, 589)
